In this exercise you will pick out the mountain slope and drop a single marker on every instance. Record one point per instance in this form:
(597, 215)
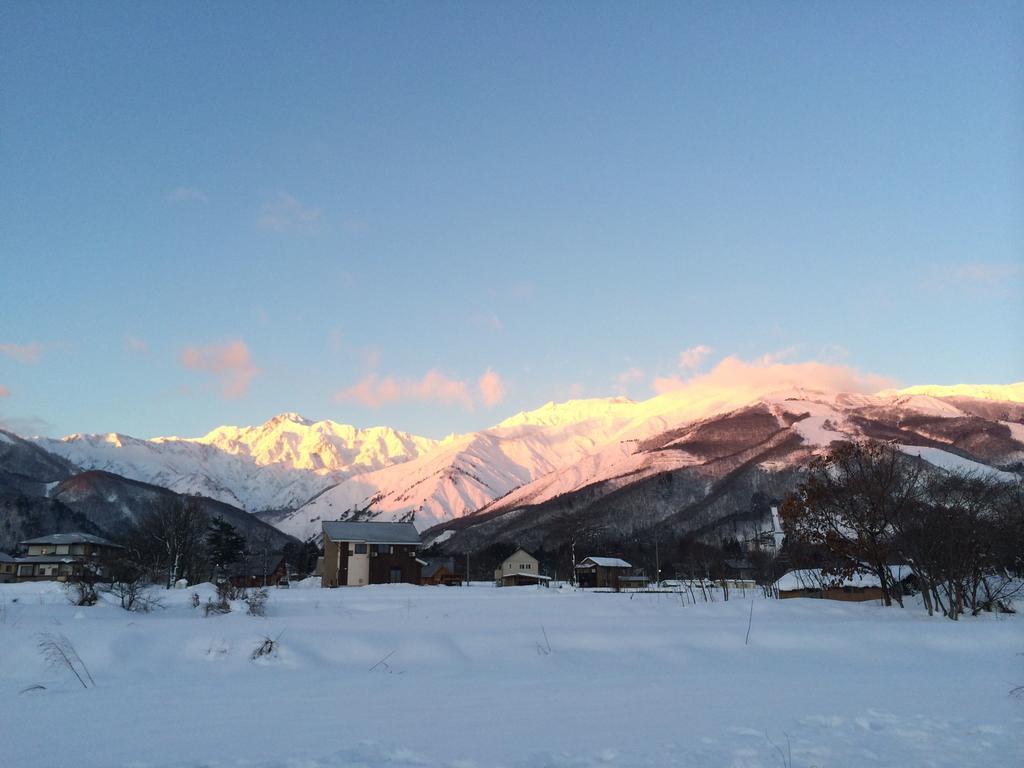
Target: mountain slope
(699, 475)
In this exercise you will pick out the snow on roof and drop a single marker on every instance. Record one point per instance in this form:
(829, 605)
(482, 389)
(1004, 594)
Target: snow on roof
(605, 562)
(372, 533)
(5, 558)
(813, 578)
(70, 538)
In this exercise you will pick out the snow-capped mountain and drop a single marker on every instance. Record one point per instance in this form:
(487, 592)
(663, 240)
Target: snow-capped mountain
(276, 465)
(704, 475)
(295, 472)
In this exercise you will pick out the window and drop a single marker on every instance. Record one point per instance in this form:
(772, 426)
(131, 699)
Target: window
(360, 549)
(63, 549)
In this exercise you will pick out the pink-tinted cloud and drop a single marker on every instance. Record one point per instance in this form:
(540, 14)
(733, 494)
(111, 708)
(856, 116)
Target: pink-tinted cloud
(694, 356)
(739, 378)
(374, 391)
(492, 388)
(23, 353)
(5, 392)
(627, 377)
(136, 345)
(229, 361)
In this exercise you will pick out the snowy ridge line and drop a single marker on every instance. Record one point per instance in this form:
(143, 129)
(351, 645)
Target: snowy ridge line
(301, 471)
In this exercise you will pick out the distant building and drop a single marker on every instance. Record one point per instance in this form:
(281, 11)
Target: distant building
(258, 571)
(609, 572)
(8, 568)
(857, 588)
(440, 570)
(357, 554)
(65, 556)
(518, 570)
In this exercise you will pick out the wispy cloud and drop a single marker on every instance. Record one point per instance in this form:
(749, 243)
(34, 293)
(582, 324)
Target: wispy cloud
(492, 388)
(135, 344)
(23, 353)
(989, 278)
(285, 212)
(434, 386)
(627, 377)
(694, 356)
(229, 361)
(5, 392)
(187, 195)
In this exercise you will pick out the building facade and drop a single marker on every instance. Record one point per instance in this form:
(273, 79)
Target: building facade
(519, 569)
(357, 554)
(65, 556)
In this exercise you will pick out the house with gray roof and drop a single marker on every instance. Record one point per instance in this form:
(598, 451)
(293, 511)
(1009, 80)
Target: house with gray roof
(360, 553)
(64, 556)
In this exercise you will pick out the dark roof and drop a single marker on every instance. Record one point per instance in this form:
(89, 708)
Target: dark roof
(70, 538)
(5, 558)
(49, 559)
(252, 565)
(372, 533)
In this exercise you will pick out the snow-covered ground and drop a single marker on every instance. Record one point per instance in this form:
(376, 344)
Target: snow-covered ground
(401, 676)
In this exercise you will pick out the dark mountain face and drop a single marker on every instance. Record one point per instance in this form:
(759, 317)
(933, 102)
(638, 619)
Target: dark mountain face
(116, 503)
(42, 493)
(25, 468)
(26, 517)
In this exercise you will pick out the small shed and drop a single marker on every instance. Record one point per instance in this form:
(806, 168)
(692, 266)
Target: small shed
(440, 570)
(259, 571)
(607, 572)
(859, 587)
(522, 579)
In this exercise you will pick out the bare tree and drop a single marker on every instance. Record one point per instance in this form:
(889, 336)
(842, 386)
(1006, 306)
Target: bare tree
(849, 502)
(171, 539)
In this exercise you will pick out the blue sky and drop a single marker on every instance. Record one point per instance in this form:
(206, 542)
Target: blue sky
(210, 213)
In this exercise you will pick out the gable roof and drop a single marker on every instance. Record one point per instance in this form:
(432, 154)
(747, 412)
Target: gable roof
(71, 538)
(605, 562)
(518, 550)
(372, 533)
(5, 558)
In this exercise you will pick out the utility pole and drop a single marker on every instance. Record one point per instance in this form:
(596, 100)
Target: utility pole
(657, 561)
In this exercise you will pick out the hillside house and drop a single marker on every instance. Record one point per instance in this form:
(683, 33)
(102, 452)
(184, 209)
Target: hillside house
(519, 569)
(65, 556)
(258, 571)
(8, 568)
(859, 587)
(608, 572)
(357, 554)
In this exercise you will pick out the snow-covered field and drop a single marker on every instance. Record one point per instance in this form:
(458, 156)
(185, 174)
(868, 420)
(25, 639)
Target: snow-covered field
(402, 676)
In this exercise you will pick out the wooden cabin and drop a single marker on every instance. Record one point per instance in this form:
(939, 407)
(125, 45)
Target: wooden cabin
(606, 572)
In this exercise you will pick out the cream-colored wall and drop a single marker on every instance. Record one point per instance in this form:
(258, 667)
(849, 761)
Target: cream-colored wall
(512, 563)
(359, 570)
